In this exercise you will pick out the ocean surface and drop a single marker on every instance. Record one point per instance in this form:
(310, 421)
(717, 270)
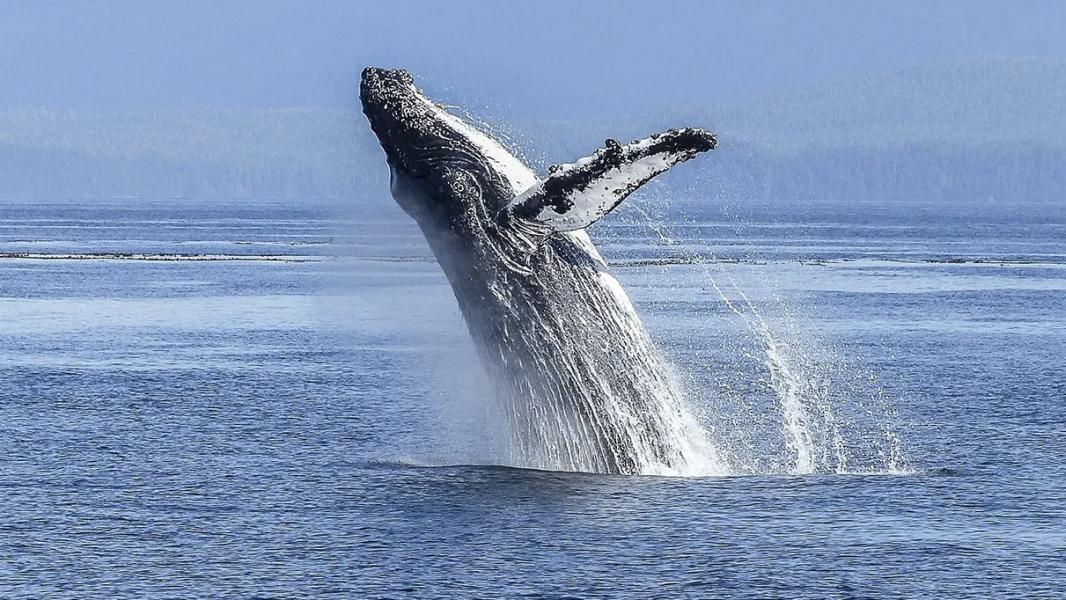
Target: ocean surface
(213, 400)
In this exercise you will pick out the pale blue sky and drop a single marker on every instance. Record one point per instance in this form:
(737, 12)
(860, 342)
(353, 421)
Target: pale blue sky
(540, 59)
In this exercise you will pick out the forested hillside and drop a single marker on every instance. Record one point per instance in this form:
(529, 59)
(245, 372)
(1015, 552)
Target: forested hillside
(993, 130)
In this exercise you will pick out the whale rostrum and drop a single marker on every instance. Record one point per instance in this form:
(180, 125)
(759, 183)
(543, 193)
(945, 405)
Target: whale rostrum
(582, 384)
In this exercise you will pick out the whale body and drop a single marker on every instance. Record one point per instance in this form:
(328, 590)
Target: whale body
(583, 386)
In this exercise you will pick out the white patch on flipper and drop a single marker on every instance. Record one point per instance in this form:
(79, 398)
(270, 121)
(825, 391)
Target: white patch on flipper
(602, 195)
(575, 196)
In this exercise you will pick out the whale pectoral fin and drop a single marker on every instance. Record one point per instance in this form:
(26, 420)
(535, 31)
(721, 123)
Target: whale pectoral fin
(576, 195)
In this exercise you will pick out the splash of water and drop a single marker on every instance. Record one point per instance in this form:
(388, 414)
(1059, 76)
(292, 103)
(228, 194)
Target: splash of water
(657, 227)
(809, 425)
(811, 384)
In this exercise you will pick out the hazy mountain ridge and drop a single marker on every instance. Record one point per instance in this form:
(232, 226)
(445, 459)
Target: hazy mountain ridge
(993, 129)
(212, 153)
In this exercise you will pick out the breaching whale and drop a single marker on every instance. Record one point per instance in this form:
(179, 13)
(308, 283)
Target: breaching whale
(583, 385)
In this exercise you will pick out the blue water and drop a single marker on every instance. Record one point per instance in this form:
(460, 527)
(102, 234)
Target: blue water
(203, 400)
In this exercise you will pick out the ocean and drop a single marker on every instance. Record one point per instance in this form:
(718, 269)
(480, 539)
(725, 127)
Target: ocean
(215, 399)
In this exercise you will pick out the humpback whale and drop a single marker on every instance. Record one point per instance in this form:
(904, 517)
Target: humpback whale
(584, 387)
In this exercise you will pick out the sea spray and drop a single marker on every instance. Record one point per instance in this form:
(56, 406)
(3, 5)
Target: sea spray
(831, 419)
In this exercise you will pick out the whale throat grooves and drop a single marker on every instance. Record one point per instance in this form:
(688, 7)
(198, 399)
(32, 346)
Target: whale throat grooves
(582, 384)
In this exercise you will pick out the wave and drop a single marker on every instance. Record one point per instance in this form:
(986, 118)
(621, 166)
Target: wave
(409, 462)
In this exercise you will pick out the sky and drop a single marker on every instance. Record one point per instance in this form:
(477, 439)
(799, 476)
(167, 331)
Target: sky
(540, 59)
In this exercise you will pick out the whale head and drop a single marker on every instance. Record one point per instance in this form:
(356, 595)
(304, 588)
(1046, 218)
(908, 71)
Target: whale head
(400, 116)
(444, 171)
